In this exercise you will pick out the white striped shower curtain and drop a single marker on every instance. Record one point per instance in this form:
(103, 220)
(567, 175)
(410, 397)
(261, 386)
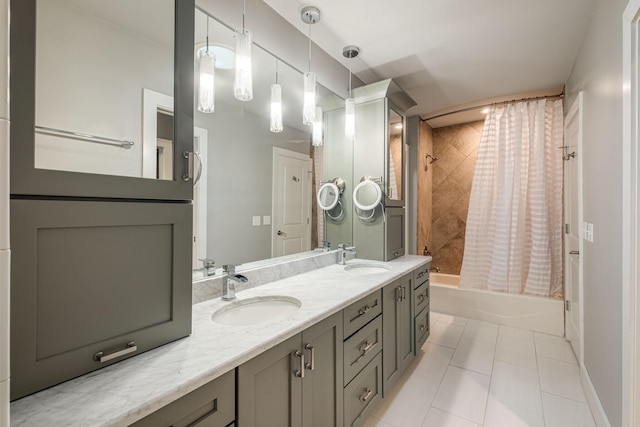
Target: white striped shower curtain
(513, 240)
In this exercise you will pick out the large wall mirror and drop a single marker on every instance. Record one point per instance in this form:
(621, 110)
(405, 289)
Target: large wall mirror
(94, 59)
(254, 200)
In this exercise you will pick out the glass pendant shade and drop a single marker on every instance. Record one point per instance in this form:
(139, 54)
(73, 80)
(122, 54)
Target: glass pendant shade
(316, 136)
(243, 84)
(276, 109)
(206, 82)
(309, 102)
(350, 119)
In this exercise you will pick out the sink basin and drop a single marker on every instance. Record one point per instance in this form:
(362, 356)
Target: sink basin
(366, 268)
(252, 311)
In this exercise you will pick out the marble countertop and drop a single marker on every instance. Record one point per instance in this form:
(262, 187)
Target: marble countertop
(125, 392)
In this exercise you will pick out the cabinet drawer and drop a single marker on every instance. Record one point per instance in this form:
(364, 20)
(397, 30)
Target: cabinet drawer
(420, 275)
(361, 348)
(363, 394)
(212, 405)
(421, 297)
(422, 327)
(360, 313)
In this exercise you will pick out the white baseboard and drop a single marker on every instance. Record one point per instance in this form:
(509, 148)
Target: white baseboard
(599, 416)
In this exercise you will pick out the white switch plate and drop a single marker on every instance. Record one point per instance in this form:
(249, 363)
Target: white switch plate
(266, 220)
(587, 231)
(256, 220)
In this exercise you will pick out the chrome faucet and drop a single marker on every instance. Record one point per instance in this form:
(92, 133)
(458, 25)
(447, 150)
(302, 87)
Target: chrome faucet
(343, 250)
(209, 266)
(229, 280)
(325, 245)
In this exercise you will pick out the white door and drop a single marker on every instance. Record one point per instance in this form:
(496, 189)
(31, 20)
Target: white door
(573, 224)
(291, 228)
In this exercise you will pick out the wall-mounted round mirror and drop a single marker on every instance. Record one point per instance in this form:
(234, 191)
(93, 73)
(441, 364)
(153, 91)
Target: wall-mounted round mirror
(367, 195)
(328, 196)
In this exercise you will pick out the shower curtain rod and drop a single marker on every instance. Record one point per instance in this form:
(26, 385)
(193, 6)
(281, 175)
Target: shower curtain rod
(464, 110)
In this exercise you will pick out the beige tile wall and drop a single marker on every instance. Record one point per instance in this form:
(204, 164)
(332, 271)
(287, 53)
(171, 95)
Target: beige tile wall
(456, 148)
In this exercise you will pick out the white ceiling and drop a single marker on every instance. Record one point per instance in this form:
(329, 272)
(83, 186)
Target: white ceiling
(447, 53)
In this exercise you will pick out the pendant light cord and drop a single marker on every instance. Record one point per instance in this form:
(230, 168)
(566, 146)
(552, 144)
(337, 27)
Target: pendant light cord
(276, 71)
(244, 11)
(207, 33)
(309, 47)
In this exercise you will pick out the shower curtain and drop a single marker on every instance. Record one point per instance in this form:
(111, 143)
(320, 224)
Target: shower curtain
(513, 240)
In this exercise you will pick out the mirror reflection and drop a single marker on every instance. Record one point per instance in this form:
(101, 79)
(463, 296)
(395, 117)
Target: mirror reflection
(258, 187)
(93, 61)
(396, 155)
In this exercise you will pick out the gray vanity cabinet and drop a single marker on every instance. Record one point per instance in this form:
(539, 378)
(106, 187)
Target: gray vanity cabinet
(212, 405)
(397, 329)
(421, 306)
(296, 383)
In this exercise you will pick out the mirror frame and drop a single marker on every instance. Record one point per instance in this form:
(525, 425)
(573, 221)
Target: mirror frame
(26, 180)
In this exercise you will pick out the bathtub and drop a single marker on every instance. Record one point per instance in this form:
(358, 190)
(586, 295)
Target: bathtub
(540, 314)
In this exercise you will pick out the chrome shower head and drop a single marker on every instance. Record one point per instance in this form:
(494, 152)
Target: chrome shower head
(433, 159)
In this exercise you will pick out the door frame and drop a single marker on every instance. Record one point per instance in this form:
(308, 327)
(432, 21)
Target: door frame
(630, 219)
(576, 113)
(277, 152)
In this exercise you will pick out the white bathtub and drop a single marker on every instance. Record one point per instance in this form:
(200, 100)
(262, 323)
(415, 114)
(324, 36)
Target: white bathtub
(534, 313)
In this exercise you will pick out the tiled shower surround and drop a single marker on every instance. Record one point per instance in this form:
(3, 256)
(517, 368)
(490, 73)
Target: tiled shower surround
(456, 148)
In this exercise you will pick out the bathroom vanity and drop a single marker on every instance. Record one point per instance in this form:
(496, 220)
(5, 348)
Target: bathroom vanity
(341, 375)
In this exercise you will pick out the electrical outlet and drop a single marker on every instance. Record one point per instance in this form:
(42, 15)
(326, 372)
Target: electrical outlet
(266, 220)
(256, 220)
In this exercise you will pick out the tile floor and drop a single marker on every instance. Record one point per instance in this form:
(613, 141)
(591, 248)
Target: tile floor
(471, 373)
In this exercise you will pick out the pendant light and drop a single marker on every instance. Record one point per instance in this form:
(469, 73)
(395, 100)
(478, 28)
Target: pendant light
(243, 83)
(350, 103)
(309, 15)
(276, 106)
(206, 78)
(316, 135)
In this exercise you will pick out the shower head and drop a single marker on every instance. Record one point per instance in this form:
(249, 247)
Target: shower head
(433, 159)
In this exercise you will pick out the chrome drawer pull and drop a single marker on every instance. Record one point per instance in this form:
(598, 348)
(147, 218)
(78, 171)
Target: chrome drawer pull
(423, 327)
(364, 348)
(364, 310)
(130, 348)
(404, 293)
(421, 298)
(420, 274)
(312, 363)
(366, 395)
(300, 373)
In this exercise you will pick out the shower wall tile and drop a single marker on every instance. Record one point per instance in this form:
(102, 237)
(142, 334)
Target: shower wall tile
(457, 148)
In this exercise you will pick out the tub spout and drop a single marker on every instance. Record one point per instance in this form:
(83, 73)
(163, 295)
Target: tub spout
(435, 269)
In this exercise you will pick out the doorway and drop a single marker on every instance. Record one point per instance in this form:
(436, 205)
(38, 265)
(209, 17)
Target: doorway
(291, 201)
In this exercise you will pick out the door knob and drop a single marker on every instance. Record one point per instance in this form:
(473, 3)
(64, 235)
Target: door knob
(281, 233)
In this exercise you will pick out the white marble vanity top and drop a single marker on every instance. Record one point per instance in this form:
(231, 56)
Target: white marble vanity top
(123, 393)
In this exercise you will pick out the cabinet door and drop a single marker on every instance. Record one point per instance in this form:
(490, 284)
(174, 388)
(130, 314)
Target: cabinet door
(405, 323)
(212, 405)
(394, 236)
(322, 392)
(91, 279)
(270, 388)
(396, 330)
(65, 121)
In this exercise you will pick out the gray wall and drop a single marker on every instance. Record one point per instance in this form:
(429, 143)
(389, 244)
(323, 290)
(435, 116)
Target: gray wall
(598, 72)
(239, 168)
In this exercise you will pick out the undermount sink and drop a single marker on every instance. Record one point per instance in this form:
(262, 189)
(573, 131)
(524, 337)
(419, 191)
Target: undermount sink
(366, 268)
(252, 311)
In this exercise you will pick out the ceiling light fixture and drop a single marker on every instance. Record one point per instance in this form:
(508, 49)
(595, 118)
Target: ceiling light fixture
(350, 103)
(243, 83)
(206, 78)
(276, 106)
(309, 15)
